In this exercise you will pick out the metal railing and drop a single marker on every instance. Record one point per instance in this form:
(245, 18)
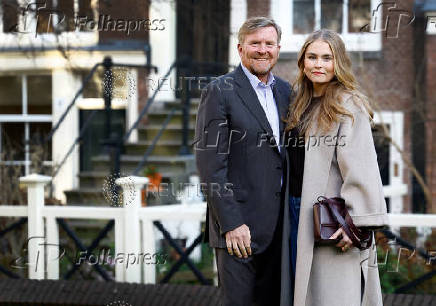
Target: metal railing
(412, 220)
(116, 143)
(132, 224)
(133, 228)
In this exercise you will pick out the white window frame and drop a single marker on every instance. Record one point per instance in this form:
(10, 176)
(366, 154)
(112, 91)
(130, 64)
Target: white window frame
(397, 188)
(282, 12)
(74, 38)
(25, 118)
(431, 23)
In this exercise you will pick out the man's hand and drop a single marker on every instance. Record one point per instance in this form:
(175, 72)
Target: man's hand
(239, 241)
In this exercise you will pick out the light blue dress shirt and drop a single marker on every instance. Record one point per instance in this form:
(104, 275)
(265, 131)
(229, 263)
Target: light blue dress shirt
(266, 98)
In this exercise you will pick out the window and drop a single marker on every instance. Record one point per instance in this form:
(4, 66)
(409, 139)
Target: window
(64, 16)
(8, 14)
(37, 21)
(382, 146)
(389, 125)
(349, 18)
(25, 119)
(359, 14)
(331, 15)
(304, 16)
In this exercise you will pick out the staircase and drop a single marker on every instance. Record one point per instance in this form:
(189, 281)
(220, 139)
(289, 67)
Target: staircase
(173, 167)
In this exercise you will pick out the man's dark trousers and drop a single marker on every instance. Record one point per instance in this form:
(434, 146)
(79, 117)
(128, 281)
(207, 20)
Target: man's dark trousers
(257, 276)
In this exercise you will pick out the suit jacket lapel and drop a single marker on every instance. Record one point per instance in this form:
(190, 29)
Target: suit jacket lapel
(249, 98)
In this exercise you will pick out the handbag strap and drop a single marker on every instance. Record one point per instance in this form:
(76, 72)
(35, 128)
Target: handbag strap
(360, 240)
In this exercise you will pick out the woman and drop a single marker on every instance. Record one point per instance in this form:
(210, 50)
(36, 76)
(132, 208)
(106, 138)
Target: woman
(330, 152)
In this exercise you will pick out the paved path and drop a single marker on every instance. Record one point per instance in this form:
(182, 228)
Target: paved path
(83, 292)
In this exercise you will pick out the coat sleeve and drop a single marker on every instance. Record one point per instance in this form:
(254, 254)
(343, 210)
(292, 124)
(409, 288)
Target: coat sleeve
(211, 146)
(362, 187)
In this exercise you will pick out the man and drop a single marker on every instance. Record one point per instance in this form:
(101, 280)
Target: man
(241, 165)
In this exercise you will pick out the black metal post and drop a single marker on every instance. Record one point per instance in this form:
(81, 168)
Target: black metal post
(184, 149)
(112, 140)
(107, 94)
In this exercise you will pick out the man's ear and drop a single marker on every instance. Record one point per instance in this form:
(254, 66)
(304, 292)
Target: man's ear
(239, 49)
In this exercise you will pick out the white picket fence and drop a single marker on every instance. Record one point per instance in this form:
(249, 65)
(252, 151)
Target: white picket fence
(134, 229)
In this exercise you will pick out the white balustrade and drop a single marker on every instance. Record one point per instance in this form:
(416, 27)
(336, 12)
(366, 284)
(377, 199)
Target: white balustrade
(35, 224)
(130, 244)
(134, 230)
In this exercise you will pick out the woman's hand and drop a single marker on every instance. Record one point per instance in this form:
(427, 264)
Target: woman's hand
(345, 243)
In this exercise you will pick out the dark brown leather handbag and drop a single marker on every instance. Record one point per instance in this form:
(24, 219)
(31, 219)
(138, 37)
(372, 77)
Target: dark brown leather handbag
(331, 213)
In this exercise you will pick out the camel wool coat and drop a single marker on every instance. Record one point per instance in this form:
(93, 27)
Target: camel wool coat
(342, 162)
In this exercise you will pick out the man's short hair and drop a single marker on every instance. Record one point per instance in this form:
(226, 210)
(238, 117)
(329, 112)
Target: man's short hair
(254, 23)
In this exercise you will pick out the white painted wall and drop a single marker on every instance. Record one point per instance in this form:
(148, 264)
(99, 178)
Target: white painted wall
(64, 87)
(132, 104)
(163, 48)
(238, 14)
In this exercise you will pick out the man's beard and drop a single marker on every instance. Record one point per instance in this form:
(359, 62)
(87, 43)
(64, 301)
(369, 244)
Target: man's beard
(261, 70)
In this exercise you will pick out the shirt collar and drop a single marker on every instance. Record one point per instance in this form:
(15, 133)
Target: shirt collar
(254, 80)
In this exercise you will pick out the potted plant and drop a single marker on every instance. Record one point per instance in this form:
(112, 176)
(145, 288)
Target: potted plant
(155, 178)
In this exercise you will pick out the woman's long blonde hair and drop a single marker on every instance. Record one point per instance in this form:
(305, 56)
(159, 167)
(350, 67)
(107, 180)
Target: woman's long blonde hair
(331, 107)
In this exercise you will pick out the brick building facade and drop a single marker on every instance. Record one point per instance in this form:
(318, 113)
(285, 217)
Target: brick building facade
(429, 85)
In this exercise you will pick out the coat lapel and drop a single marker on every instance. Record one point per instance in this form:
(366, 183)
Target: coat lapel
(248, 96)
(317, 162)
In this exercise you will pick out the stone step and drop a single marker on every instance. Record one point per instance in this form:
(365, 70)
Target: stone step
(173, 167)
(157, 117)
(96, 179)
(86, 196)
(162, 147)
(172, 132)
(180, 163)
(93, 196)
(178, 103)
